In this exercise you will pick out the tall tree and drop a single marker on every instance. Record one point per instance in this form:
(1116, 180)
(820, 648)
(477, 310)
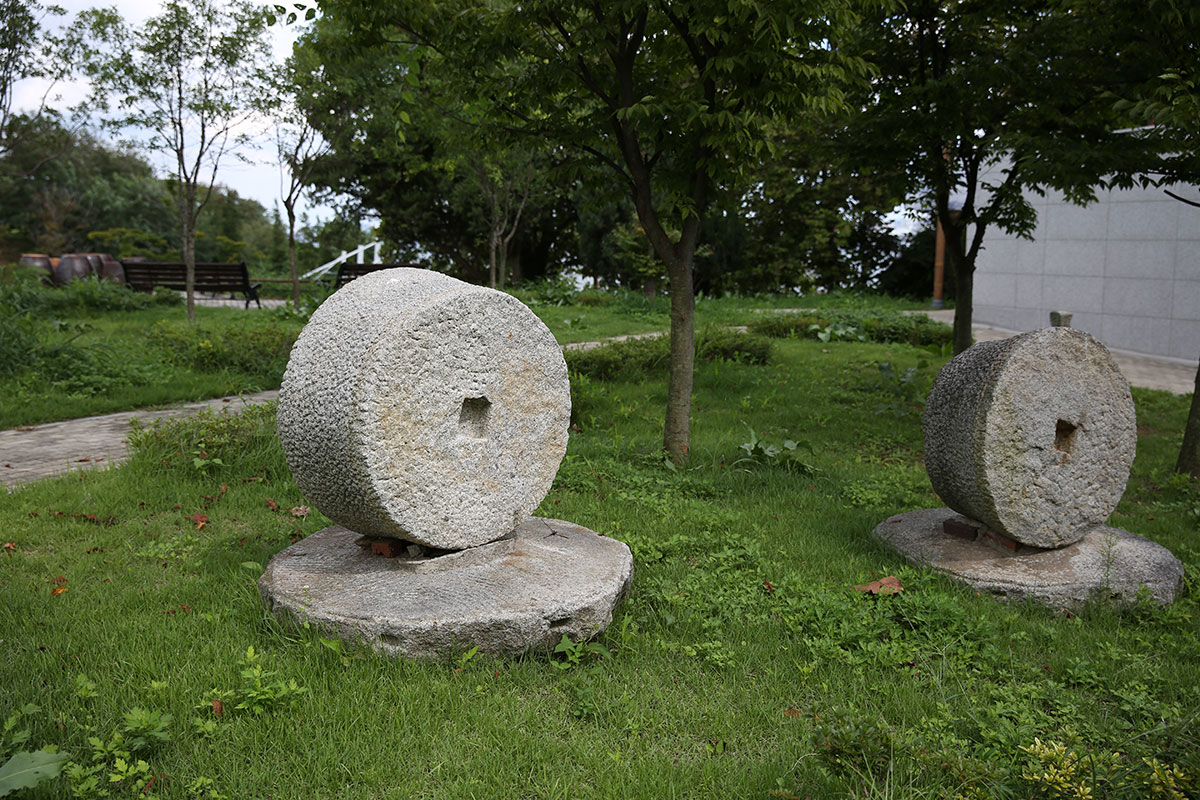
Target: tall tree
(187, 79)
(672, 97)
(298, 147)
(984, 102)
(1168, 101)
(445, 189)
(27, 50)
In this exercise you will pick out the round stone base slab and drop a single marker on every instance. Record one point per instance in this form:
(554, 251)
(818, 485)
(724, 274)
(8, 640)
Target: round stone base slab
(522, 592)
(1106, 562)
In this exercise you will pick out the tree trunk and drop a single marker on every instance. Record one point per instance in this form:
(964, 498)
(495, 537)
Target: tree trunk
(964, 282)
(1189, 453)
(291, 212)
(514, 268)
(492, 259)
(187, 205)
(677, 432)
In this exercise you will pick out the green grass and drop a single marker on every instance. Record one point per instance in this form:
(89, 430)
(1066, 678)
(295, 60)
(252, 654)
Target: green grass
(100, 362)
(744, 664)
(94, 348)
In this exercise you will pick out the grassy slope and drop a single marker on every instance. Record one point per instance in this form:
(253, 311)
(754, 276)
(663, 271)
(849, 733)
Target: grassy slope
(129, 367)
(744, 663)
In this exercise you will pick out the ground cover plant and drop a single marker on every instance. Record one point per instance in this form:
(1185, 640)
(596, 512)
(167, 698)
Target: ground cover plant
(743, 664)
(94, 347)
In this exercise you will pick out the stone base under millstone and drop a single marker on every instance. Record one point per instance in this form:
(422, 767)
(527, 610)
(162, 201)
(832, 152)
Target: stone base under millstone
(1107, 562)
(523, 592)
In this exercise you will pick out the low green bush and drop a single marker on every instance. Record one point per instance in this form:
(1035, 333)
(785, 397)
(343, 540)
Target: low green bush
(259, 349)
(639, 356)
(548, 292)
(878, 325)
(595, 297)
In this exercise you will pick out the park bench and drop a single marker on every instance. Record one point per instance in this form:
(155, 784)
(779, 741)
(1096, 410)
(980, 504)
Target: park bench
(348, 272)
(212, 277)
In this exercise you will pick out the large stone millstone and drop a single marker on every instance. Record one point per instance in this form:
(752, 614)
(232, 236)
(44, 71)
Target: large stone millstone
(420, 407)
(1032, 436)
(546, 579)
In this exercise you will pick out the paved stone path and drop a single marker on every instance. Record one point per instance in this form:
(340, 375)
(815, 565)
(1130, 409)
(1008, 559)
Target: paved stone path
(38, 451)
(1169, 374)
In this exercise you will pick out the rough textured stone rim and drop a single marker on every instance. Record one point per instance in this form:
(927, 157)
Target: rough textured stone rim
(548, 579)
(1051, 577)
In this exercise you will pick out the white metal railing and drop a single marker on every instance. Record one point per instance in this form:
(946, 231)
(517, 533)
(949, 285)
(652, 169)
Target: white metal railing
(357, 253)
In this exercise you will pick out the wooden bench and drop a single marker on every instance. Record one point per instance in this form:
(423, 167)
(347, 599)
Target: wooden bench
(211, 276)
(348, 272)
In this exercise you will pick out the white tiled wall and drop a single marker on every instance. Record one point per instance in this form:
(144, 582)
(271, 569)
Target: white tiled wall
(1127, 266)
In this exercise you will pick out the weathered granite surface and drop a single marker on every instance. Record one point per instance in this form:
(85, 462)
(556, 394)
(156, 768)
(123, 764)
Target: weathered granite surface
(1106, 562)
(524, 592)
(421, 407)
(1032, 436)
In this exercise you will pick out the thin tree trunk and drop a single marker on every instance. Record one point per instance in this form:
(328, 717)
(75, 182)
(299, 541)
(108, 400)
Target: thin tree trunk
(295, 275)
(186, 206)
(492, 259)
(677, 431)
(964, 285)
(1189, 453)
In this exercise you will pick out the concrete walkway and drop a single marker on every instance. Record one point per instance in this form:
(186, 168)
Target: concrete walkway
(1169, 374)
(38, 451)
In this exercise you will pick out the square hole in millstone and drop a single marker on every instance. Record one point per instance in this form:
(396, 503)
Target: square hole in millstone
(472, 419)
(1064, 435)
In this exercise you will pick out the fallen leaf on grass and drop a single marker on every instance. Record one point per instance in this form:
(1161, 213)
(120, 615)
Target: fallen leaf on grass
(301, 511)
(271, 504)
(793, 712)
(199, 519)
(888, 585)
(10, 546)
(218, 707)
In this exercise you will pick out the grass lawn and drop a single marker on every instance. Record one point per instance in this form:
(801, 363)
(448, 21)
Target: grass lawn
(93, 348)
(742, 665)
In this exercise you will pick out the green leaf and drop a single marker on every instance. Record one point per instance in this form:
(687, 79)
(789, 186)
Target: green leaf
(26, 770)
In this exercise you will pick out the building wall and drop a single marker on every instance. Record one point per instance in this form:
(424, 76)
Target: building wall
(1127, 267)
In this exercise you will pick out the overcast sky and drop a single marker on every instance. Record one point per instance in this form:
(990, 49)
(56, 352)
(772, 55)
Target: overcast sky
(259, 179)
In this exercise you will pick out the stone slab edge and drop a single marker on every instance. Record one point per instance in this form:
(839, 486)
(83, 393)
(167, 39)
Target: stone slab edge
(1107, 563)
(494, 596)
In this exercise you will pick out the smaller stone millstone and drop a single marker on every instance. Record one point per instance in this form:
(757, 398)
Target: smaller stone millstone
(1107, 563)
(546, 579)
(1033, 436)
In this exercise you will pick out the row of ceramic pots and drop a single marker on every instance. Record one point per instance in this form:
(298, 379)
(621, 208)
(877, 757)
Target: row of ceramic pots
(74, 266)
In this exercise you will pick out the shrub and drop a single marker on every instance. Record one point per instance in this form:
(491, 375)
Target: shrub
(728, 344)
(878, 326)
(94, 294)
(595, 297)
(549, 292)
(256, 349)
(635, 356)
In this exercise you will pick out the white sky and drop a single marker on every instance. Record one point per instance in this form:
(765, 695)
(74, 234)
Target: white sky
(259, 179)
